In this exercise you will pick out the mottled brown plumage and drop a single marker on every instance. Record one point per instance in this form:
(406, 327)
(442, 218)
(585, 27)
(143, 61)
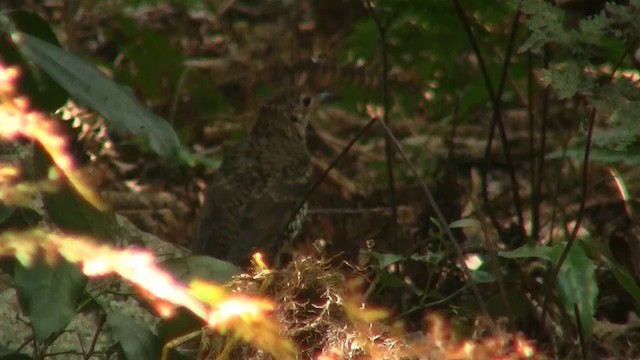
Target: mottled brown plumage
(252, 197)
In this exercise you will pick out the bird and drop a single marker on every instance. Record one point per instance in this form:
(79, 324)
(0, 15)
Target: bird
(250, 202)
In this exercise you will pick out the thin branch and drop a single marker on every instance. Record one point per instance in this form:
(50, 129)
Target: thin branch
(332, 165)
(497, 272)
(583, 346)
(539, 171)
(101, 322)
(496, 102)
(555, 270)
(535, 209)
(25, 343)
(443, 222)
(389, 153)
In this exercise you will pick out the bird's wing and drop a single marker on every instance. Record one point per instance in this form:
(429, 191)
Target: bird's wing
(267, 214)
(224, 199)
(216, 220)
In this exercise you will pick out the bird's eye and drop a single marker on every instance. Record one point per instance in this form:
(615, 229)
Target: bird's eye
(306, 100)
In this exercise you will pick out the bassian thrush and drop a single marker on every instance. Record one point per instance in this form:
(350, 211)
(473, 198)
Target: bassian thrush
(249, 205)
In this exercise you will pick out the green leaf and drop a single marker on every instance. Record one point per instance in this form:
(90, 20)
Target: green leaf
(11, 355)
(622, 275)
(629, 156)
(577, 284)
(463, 223)
(528, 251)
(388, 280)
(44, 93)
(565, 79)
(90, 87)
(6, 212)
(180, 324)
(67, 209)
(49, 295)
(137, 341)
(482, 277)
(546, 24)
(19, 218)
(594, 29)
(193, 159)
(32, 24)
(385, 260)
(626, 281)
(201, 267)
(623, 128)
(429, 258)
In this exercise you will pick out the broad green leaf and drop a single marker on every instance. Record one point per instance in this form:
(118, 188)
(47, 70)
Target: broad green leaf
(19, 218)
(137, 341)
(388, 280)
(626, 281)
(431, 258)
(482, 277)
(577, 284)
(44, 93)
(385, 260)
(6, 354)
(201, 267)
(90, 87)
(192, 159)
(180, 324)
(68, 210)
(49, 295)
(463, 223)
(6, 212)
(622, 275)
(528, 251)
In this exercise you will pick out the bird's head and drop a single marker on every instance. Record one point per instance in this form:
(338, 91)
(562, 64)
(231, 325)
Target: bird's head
(290, 111)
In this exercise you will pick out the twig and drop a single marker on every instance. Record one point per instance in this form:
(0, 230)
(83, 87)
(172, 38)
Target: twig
(583, 347)
(539, 172)
(46, 344)
(496, 102)
(445, 226)
(389, 153)
(332, 165)
(176, 96)
(25, 343)
(535, 208)
(555, 270)
(91, 349)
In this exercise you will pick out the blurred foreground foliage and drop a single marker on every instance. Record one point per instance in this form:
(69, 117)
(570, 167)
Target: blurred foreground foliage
(524, 113)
